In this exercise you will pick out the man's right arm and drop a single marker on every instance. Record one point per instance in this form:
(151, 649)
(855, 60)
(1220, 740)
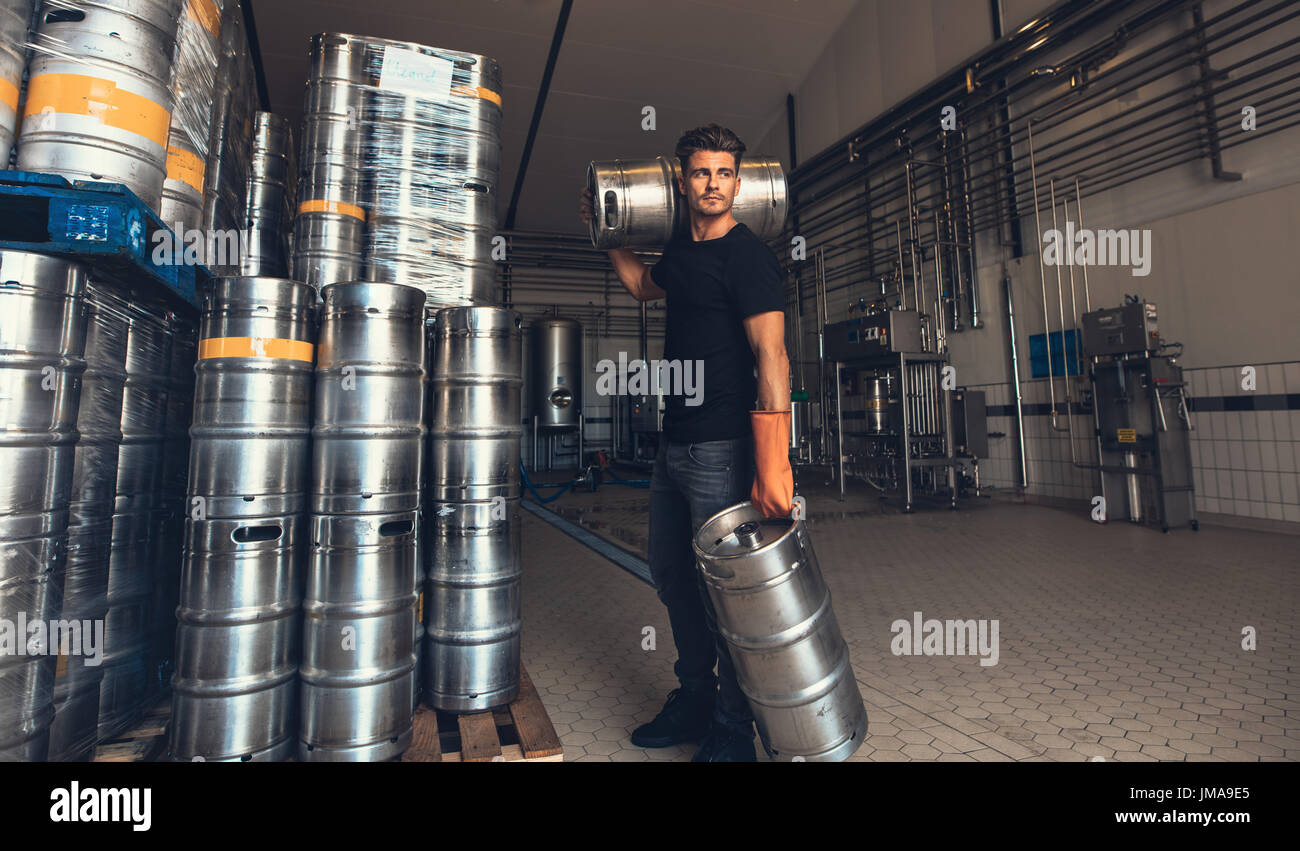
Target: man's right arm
(635, 275)
(632, 273)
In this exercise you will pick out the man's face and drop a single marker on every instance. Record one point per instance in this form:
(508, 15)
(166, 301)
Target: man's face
(710, 183)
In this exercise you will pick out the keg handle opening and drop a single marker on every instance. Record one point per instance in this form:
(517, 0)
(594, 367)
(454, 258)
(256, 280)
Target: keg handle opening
(256, 534)
(717, 571)
(394, 528)
(611, 209)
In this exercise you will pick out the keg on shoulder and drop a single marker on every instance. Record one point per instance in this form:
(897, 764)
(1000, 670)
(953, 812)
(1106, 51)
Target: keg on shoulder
(774, 611)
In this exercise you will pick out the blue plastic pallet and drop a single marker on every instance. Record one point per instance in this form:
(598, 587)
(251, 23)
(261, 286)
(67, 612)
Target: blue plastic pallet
(104, 225)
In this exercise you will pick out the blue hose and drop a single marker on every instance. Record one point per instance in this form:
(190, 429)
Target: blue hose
(632, 483)
(543, 499)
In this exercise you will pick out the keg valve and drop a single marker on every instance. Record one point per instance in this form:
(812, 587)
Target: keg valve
(749, 534)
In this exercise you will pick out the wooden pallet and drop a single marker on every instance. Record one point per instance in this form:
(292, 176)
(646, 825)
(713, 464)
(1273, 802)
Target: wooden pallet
(518, 732)
(145, 742)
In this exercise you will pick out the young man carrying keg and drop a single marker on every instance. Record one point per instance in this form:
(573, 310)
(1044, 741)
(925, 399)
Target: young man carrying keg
(726, 311)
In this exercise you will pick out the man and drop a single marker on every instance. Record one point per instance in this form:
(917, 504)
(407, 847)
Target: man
(726, 312)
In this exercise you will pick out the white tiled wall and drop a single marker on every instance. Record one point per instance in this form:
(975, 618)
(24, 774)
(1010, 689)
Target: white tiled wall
(1245, 463)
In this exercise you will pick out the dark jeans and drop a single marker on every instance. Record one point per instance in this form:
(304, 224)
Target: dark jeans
(691, 483)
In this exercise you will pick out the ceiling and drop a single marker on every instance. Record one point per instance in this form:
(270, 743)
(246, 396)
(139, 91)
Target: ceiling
(694, 61)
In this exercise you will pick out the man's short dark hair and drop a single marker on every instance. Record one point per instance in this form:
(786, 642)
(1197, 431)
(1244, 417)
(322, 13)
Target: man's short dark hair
(710, 137)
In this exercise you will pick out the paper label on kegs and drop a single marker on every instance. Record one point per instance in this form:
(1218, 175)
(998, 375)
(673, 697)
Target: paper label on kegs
(415, 74)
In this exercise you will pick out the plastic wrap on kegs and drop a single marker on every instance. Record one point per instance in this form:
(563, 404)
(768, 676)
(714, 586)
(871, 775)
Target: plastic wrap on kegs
(133, 551)
(362, 582)
(94, 490)
(229, 141)
(637, 203)
(234, 693)
(15, 15)
(774, 611)
(476, 426)
(42, 340)
(194, 79)
(99, 101)
(271, 183)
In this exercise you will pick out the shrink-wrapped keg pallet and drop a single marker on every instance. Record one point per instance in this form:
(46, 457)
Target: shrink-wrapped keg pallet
(104, 226)
(145, 742)
(520, 731)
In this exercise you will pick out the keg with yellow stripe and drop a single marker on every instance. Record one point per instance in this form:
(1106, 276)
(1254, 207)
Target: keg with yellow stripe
(14, 17)
(98, 99)
(235, 690)
(193, 81)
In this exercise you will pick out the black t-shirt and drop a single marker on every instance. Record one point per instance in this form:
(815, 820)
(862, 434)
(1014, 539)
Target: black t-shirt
(712, 287)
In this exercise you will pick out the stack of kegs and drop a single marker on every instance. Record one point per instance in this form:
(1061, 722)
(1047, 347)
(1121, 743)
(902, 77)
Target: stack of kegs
(359, 609)
(42, 340)
(137, 520)
(235, 690)
(15, 15)
(90, 528)
(400, 168)
(194, 78)
(269, 200)
(99, 101)
(330, 224)
(229, 143)
(471, 602)
(432, 156)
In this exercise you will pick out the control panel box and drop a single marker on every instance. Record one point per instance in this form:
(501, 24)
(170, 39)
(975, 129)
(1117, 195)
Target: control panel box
(1126, 330)
(888, 332)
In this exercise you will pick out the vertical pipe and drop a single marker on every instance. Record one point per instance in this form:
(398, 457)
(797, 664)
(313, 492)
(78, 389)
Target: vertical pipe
(906, 433)
(839, 431)
(1078, 206)
(1015, 375)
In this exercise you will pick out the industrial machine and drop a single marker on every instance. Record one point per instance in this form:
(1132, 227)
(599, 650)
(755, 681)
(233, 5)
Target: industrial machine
(1142, 418)
(556, 389)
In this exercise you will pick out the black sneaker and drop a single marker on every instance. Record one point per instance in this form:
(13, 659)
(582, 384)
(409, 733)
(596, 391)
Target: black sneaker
(686, 717)
(726, 744)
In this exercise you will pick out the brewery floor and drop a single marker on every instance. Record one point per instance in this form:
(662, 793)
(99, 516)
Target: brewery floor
(1114, 641)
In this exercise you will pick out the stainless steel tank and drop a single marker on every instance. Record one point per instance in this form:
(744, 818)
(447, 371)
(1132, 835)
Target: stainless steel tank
(234, 694)
(877, 402)
(330, 224)
(94, 489)
(15, 15)
(637, 203)
(133, 552)
(42, 340)
(774, 611)
(99, 101)
(361, 597)
(269, 195)
(557, 372)
(472, 608)
(475, 424)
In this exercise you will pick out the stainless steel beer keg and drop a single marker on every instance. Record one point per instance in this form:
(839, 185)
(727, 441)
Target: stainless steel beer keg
(476, 424)
(42, 340)
(472, 608)
(234, 694)
(99, 101)
(774, 611)
(15, 15)
(94, 490)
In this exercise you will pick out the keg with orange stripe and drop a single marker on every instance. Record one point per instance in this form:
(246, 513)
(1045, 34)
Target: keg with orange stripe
(193, 81)
(98, 98)
(234, 693)
(14, 17)
(330, 223)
